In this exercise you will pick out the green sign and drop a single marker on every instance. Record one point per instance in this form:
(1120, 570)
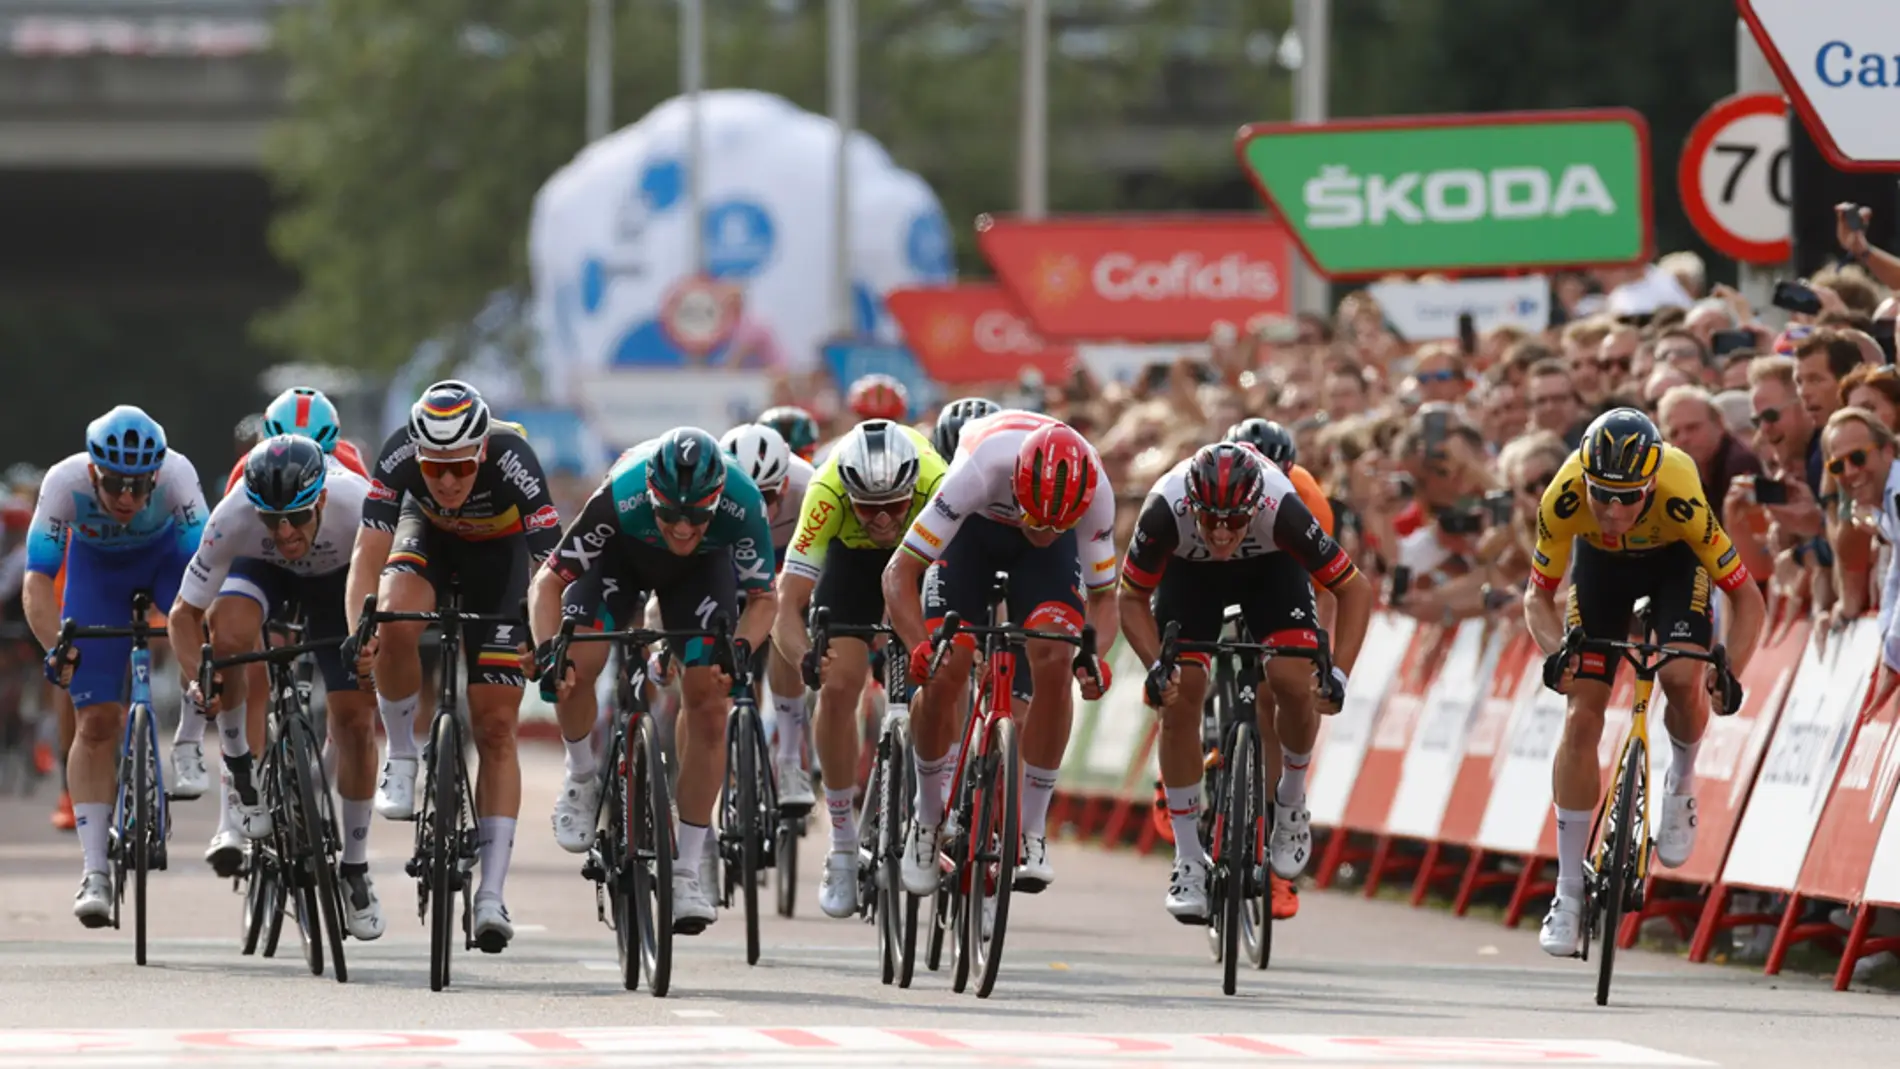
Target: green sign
(1462, 193)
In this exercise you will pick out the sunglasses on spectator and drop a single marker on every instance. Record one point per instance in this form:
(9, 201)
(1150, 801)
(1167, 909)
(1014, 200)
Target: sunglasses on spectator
(440, 469)
(1616, 495)
(295, 518)
(1766, 415)
(1838, 465)
(1437, 376)
(1537, 484)
(1615, 364)
(112, 485)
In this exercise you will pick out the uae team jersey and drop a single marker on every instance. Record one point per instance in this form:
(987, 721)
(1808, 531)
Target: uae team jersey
(510, 496)
(1167, 528)
(234, 532)
(68, 509)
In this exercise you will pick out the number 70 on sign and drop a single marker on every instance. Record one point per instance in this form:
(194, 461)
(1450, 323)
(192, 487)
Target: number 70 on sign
(1735, 178)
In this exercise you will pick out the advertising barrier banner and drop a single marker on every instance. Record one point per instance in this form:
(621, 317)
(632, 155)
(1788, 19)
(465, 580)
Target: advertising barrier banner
(1482, 760)
(1343, 737)
(1438, 745)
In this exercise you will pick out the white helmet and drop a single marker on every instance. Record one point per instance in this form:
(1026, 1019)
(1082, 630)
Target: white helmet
(449, 415)
(877, 462)
(761, 453)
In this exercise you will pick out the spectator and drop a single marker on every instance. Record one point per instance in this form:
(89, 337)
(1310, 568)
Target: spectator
(1876, 389)
(1344, 390)
(1688, 270)
(1822, 360)
(1440, 374)
(1860, 457)
(1616, 356)
(1709, 315)
(1554, 403)
(1502, 414)
(1687, 353)
(1581, 340)
(1665, 378)
(1691, 421)
(1785, 432)
(1734, 375)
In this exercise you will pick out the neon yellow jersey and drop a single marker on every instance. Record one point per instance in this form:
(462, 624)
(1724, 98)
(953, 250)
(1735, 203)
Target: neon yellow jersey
(826, 515)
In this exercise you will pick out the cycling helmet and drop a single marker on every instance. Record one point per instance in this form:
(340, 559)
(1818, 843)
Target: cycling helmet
(686, 471)
(449, 415)
(126, 441)
(877, 463)
(1621, 448)
(954, 415)
(1269, 437)
(761, 453)
(878, 397)
(284, 474)
(1055, 477)
(1226, 479)
(795, 425)
(302, 410)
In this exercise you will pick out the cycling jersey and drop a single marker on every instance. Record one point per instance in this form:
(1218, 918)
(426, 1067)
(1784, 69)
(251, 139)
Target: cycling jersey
(345, 455)
(827, 515)
(786, 514)
(235, 532)
(510, 496)
(68, 509)
(980, 481)
(1313, 496)
(1167, 528)
(1674, 513)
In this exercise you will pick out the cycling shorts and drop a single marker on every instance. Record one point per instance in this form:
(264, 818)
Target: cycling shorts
(493, 576)
(612, 593)
(314, 600)
(851, 585)
(1604, 587)
(1273, 590)
(99, 589)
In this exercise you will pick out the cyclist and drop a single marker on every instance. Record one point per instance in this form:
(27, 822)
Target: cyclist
(951, 420)
(284, 542)
(859, 505)
(782, 480)
(24, 481)
(1026, 494)
(124, 516)
(680, 518)
(460, 494)
(878, 396)
(1634, 506)
(796, 426)
(1224, 527)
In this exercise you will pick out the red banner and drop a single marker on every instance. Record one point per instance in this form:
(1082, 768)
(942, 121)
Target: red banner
(1491, 720)
(1842, 850)
(1132, 278)
(1384, 763)
(973, 333)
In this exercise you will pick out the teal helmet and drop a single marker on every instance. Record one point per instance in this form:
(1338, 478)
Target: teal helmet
(686, 474)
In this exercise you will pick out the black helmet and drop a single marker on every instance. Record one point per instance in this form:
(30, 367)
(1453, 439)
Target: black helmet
(284, 474)
(795, 425)
(951, 420)
(1269, 437)
(687, 472)
(1621, 449)
(1226, 479)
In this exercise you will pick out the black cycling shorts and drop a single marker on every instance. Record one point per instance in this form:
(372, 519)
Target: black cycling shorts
(1273, 590)
(1604, 587)
(851, 585)
(315, 600)
(494, 578)
(1045, 582)
(612, 594)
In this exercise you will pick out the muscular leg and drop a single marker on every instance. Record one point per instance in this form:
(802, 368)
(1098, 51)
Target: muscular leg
(837, 736)
(92, 777)
(398, 664)
(494, 712)
(578, 711)
(1181, 761)
(1046, 734)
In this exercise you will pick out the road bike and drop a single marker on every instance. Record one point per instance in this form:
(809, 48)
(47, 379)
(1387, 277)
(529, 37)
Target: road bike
(1239, 814)
(748, 799)
(885, 812)
(141, 820)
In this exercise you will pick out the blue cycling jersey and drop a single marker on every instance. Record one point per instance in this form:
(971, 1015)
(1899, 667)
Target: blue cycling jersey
(69, 510)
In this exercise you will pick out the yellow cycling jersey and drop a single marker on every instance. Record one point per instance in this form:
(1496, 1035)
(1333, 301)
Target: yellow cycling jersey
(1675, 512)
(826, 515)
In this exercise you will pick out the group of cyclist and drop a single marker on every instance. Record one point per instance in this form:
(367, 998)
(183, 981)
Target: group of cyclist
(891, 525)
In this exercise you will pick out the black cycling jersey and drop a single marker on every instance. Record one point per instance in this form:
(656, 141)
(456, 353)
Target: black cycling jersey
(510, 495)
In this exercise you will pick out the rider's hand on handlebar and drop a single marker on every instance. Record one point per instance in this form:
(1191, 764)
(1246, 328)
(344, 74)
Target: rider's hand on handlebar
(61, 675)
(1332, 690)
(205, 705)
(813, 668)
(361, 659)
(1725, 692)
(1161, 690)
(1095, 679)
(1560, 670)
(552, 689)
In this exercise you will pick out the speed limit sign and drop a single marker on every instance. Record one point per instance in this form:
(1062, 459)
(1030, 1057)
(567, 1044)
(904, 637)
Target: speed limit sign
(699, 314)
(1736, 180)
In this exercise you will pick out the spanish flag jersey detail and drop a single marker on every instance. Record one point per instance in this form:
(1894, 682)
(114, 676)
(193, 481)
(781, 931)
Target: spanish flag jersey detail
(1675, 512)
(826, 515)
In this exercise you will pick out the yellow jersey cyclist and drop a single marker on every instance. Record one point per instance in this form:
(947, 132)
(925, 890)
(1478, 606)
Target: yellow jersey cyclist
(1634, 509)
(860, 503)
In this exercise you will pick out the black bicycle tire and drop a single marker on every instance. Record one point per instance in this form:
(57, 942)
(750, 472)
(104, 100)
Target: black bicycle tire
(1614, 882)
(1235, 829)
(750, 806)
(655, 828)
(1004, 791)
(445, 845)
(618, 853)
(306, 771)
(141, 817)
(959, 881)
(279, 903)
(251, 922)
(1215, 803)
(785, 865)
(1258, 930)
(895, 801)
(939, 926)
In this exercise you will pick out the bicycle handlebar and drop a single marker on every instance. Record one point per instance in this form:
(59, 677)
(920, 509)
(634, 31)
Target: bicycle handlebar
(1645, 658)
(1084, 643)
(720, 634)
(1173, 646)
(208, 667)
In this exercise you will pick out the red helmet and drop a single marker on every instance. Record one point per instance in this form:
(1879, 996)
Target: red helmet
(1226, 479)
(879, 397)
(1055, 477)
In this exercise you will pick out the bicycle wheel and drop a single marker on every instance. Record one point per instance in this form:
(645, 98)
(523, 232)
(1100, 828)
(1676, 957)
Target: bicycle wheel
(785, 861)
(445, 838)
(617, 860)
(743, 825)
(294, 855)
(136, 837)
(1616, 872)
(896, 908)
(1256, 911)
(959, 886)
(259, 895)
(939, 925)
(1237, 830)
(650, 815)
(998, 819)
(305, 772)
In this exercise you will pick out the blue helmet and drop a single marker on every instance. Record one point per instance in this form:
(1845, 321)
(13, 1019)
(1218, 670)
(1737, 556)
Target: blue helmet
(284, 474)
(303, 411)
(126, 441)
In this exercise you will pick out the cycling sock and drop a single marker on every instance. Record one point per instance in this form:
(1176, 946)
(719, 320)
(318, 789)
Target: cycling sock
(692, 846)
(844, 830)
(93, 821)
(355, 817)
(1680, 779)
(933, 779)
(240, 769)
(954, 755)
(1573, 839)
(791, 726)
(1292, 789)
(191, 724)
(1039, 785)
(1184, 814)
(581, 762)
(227, 817)
(231, 740)
(498, 845)
(399, 723)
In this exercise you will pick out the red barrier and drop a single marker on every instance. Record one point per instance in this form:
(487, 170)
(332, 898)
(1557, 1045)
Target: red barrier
(1472, 788)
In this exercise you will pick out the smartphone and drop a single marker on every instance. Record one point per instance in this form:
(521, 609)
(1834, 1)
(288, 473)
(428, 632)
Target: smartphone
(1850, 217)
(1467, 334)
(1402, 487)
(1796, 297)
(1461, 521)
(1437, 429)
(1154, 378)
(1883, 334)
(1498, 504)
(1401, 584)
(1770, 491)
(1724, 342)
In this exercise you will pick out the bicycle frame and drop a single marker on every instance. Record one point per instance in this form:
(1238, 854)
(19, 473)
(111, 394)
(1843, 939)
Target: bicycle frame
(142, 699)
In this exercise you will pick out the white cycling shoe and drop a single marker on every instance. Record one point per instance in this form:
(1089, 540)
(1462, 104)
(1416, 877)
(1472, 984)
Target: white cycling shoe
(93, 904)
(1187, 892)
(396, 789)
(1292, 841)
(838, 892)
(919, 866)
(225, 855)
(692, 909)
(1675, 835)
(794, 783)
(252, 819)
(1034, 872)
(1562, 932)
(577, 813)
(190, 778)
(364, 912)
(492, 929)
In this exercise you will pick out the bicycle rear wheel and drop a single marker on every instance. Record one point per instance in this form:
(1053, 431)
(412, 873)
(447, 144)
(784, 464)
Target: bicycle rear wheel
(896, 908)
(617, 855)
(744, 824)
(445, 839)
(791, 828)
(1616, 874)
(1237, 833)
(995, 841)
(139, 837)
(1257, 909)
(650, 816)
(313, 795)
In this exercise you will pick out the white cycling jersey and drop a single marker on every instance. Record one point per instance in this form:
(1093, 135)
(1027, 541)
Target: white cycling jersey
(786, 514)
(981, 480)
(69, 509)
(235, 533)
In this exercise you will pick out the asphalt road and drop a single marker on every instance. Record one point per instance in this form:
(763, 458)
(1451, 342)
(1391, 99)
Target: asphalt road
(1353, 982)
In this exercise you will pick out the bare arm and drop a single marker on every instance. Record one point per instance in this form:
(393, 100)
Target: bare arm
(755, 622)
(902, 577)
(544, 604)
(41, 602)
(1544, 619)
(1138, 623)
(788, 624)
(366, 569)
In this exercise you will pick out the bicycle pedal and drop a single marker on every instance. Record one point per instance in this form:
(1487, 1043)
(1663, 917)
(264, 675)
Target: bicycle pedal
(794, 810)
(591, 869)
(688, 926)
(491, 943)
(1192, 922)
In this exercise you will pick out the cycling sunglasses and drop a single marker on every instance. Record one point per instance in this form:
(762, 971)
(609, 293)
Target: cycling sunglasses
(438, 469)
(112, 485)
(676, 514)
(295, 518)
(1608, 496)
(1231, 521)
(897, 510)
(1838, 465)
(1766, 415)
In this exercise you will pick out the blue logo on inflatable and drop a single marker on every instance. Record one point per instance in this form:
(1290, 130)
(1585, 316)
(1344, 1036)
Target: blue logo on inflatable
(867, 307)
(929, 248)
(739, 239)
(593, 284)
(661, 183)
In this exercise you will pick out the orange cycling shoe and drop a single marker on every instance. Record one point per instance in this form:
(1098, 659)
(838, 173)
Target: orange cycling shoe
(63, 813)
(43, 759)
(1286, 898)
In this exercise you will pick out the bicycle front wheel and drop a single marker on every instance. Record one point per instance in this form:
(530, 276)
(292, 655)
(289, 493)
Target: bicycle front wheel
(995, 840)
(1616, 875)
(139, 836)
(445, 840)
(896, 908)
(617, 849)
(650, 815)
(319, 846)
(1237, 833)
(745, 826)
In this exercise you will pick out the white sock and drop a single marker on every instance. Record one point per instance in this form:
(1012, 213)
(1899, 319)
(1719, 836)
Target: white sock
(191, 725)
(399, 723)
(954, 755)
(933, 779)
(1573, 840)
(1292, 789)
(1039, 785)
(498, 845)
(94, 822)
(355, 817)
(844, 824)
(231, 733)
(1680, 779)
(712, 839)
(791, 726)
(1184, 814)
(227, 819)
(692, 840)
(581, 762)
